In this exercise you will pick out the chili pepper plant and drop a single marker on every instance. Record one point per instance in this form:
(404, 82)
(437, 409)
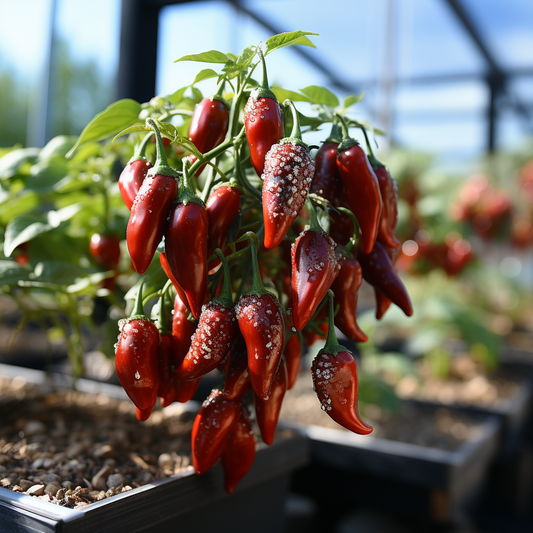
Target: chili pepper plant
(225, 227)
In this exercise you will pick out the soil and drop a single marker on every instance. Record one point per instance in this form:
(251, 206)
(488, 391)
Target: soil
(73, 449)
(441, 428)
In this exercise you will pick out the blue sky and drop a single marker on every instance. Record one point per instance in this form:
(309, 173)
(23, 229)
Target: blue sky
(427, 39)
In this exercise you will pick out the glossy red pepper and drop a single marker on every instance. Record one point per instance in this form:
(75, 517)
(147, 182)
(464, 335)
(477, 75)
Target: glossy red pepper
(237, 375)
(166, 268)
(212, 428)
(222, 206)
(267, 410)
(287, 178)
(263, 122)
(165, 356)
(149, 212)
(315, 265)
(186, 249)
(379, 271)
(105, 250)
(239, 453)
(136, 355)
(334, 374)
(293, 355)
(216, 332)
(362, 188)
(342, 227)
(346, 287)
(327, 181)
(261, 323)
(209, 124)
(132, 177)
(182, 330)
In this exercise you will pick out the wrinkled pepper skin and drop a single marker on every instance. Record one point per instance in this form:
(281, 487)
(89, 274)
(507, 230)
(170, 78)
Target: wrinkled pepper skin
(136, 356)
(217, 330)
(267, 410)
(147, 222)
(166, 268)
(261, 323)
(314, 265)
(287, 178)
(362, 189)
(213, 425)
(105, 250)
(131, 180)
(389, 213)
(239, 453)
(186, 251)
(222, 206)
(293, 355)
(237, 375)
(263, 123)
(346, 287)
(335, 384)
(379, 271)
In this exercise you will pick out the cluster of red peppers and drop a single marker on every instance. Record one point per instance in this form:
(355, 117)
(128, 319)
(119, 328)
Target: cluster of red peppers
(236, 323)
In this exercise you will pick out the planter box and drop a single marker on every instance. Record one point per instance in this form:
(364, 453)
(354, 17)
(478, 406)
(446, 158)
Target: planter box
(183, 502)
(426, 484)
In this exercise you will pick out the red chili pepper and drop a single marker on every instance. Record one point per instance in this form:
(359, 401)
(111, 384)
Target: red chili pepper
(217, 330)
(132, 177)
(165, 357)
(362, 188)
(263, 121)
(239, 453)
(382, 303)
(346, 287)
(342, 227)
(237, 375)
(212, 428)
(327, 181)
(105, 250)
(379, 271)
(136, 355)
(209, 124)
(150, 210)
(182, 330)
(261, 323)
(222, 206)
(314, 267)
(293, 356)
(267, 410)
(334, 374)
(310, 336)
(287, 178)
(20, 254)
(186, 248)
(170, 276)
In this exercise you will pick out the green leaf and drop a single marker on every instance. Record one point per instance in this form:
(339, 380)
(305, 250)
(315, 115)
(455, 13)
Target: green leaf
(46, 174)
(131, 129)
(10, 163)
(289, 39)
(58, 146)
(61, 273)
(22, 203)
(153, 280)
(197, 94)
(116, 117)
(320, 95)
(11, 272)
(202, 75)
(26, 227)
(371, 128)
(352, 99)
(176, 97)
(285, 94)
(211, 56)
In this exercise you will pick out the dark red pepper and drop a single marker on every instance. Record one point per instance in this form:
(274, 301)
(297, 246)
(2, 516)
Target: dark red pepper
(315, 265)
(182, 330)
(267, 410)
(327, 181)
(186, 247)
(136, 355)
(132, 177)
(263, 122)
(212, 428)
(261, 323)
(217, 330)
(170, 276)
(342, 227)
(362, 188)
(346, 287)
(293, 355)
(209, 124)
(105, 250)
(379, 271)
(382, 303)
(150, 211)
(334, 374)
(287, 178)
(239, 453)
(165, 358)
(237, 375)
(222, 206)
